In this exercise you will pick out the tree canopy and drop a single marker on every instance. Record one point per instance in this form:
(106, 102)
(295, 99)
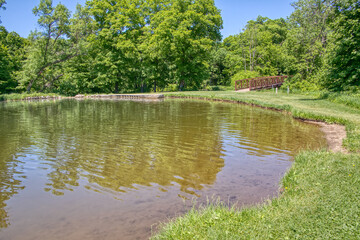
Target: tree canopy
(151, 45)
(2, 3)
(344, 56)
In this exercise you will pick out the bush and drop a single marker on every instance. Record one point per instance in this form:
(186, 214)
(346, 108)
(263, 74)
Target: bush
(303, 85)
(217, 88)
(171, 88)
(243, 75)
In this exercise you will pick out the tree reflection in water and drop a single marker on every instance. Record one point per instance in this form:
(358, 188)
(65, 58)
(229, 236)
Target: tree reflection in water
(117, 146)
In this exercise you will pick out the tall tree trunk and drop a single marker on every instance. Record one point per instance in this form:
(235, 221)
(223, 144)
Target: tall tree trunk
(28, 88)
(244, 57)
(250, 57)
(117, 87)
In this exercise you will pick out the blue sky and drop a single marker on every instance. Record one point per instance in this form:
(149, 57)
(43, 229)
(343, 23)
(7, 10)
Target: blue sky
(18, 15)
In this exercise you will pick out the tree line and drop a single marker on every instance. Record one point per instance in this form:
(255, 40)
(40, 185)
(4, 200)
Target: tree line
(150, 45)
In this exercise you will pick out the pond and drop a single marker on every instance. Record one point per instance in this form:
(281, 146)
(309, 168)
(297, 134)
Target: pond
(96, 169)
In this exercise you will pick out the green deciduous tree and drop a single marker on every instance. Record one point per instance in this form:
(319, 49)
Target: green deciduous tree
(79, 71)
(219, 71)
(5, 70)
(258, 49)
(2, 3)
(49, 47)
(184, 33)
(60, 40)
(120, 34)
(12, 54)
(344, 55)
(151, 43)
(307, 40)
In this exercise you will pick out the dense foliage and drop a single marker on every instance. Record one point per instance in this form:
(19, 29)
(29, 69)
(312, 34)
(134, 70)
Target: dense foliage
(12, 53)
(344, 56)
(111, 46)
(150, 45)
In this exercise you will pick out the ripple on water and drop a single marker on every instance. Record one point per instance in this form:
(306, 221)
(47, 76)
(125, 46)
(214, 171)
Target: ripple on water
(103, 169)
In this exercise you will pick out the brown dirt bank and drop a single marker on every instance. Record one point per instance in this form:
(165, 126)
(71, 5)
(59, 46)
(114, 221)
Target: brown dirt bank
(334, 134)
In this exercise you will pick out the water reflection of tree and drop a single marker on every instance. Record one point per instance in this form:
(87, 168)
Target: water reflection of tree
(117, 146)
(182, 147)
(9, 186)
(264, 132)
(14, 133)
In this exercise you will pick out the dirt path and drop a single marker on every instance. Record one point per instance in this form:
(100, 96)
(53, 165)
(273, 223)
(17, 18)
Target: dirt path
(243, 90)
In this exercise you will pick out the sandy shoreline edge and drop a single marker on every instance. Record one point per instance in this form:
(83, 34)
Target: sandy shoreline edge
(334, 135)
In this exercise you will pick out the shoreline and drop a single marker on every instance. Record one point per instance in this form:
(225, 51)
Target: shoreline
(314, 194)
(334, 133)
(83, 96)
(314, 175)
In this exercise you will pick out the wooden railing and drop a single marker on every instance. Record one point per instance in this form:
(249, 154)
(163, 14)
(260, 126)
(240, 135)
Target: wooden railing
(260, 82)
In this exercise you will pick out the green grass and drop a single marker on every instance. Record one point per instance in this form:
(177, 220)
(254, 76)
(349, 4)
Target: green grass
(349, 99)
(320, 193)
(24, 96)
(320, 201)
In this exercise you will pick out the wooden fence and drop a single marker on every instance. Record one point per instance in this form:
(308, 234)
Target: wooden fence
(260, 82)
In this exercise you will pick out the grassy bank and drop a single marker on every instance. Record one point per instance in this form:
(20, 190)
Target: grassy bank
(320, 201)
(320, 193)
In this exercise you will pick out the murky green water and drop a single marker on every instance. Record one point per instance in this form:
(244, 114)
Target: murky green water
(103, 169)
